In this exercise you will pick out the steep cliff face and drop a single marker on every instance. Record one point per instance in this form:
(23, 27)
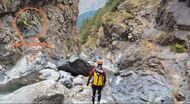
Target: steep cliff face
(173, 17)
(148, 58)
(21, 63)
(125, 22)
(61, 30)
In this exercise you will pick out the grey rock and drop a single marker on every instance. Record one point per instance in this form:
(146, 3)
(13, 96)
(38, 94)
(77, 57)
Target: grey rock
(51, 65)
(129, 58)
(164, 100)
(67, 82)
(166, 54)
(24, 72)
(169, 15)
(78, 81)
(46, 92)
(64, 74)
(174, 75)
(49, 74)
(26, 65)
(66, 79)
(84, 56)
(50, 99)
(73, 58)
(126, 73)
(140, 89)
(188, 64)
(177, 78)
(8, 57)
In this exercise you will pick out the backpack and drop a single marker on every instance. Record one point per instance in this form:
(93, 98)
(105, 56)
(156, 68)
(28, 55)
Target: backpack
(98, 78)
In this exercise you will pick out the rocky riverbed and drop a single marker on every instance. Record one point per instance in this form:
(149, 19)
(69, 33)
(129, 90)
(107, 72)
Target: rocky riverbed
(50, 85)
(144, 46)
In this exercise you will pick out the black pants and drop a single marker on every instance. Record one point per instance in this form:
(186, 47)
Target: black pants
(94, 89)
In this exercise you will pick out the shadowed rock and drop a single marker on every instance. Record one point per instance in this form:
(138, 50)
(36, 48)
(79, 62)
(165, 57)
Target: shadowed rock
(77, 67)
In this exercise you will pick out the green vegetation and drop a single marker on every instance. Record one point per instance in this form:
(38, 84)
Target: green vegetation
(117, 17)
(178, 48)
(91, 26)
(161, 36)
(175, 45)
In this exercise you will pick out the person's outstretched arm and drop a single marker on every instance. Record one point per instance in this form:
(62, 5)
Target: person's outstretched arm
(104, 77)
(91, 73)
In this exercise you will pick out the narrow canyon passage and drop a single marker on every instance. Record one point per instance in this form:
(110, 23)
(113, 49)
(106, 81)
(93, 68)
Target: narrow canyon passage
(49, 48)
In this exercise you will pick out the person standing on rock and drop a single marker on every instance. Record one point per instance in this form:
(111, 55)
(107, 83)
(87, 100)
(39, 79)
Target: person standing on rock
(98, 80)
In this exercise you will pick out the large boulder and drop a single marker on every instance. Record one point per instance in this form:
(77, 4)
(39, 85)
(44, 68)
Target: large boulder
(141, 87)
(129, 58)
(77, 67)
(166, 72)
(26, 71)
(49, 74)
(46, 92)
(66, 79)
(78, 80)
(67, 82)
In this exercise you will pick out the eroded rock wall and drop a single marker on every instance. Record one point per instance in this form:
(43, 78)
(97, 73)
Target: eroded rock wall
(61, 30)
